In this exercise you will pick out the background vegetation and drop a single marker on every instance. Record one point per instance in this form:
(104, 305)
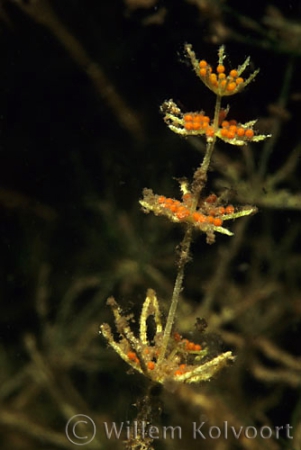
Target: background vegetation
(81, 136)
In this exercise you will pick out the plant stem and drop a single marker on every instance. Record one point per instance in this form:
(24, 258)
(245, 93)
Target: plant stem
(211, 144)
(184, 256)
(199, 181)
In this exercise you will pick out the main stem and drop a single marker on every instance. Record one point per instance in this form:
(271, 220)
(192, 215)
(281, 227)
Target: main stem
(184, 256)
(199, 181)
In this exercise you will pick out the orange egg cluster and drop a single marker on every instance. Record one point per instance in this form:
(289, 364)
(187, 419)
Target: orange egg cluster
(197, 121)
(220, 80)
(212, 198)
(182, 211)
(191, 346)
(208, 213)
(181, 370)
(231, 130)
(133, 357)
(188, 345)
(151, 353)
(217, 210)
(175, 206)
(201, 218)
(150, 364)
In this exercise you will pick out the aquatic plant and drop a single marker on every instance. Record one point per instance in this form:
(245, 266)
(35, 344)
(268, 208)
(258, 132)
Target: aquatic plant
(167, 356)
